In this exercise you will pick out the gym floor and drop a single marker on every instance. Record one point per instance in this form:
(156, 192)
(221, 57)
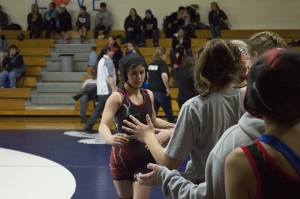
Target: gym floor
(39, 162)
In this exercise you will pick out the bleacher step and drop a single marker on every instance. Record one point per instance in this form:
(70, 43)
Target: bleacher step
(52, 98)
(73, 48)
(78, 57)
(56, 66)
(58, 87)
(63, 76)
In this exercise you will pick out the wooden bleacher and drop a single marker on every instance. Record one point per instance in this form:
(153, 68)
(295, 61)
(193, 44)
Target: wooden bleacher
(35, 51)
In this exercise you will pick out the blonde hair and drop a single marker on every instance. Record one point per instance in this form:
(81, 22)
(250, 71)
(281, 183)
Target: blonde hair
(263, 41)
(160, 51)
(218, 65)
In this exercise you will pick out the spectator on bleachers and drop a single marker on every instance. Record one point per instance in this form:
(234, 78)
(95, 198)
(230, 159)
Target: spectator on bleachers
(158, 83)
(132, 48)
(181, 46)
(93, 58)
(65, 22)
(216, 18)
(204, 118)
(14, 67)
(35, 22)
(150, 29)
(269, 167)
(191, 21)
(243, 133)
(51, 21)
(185, 80)
(112, 42)
(3, 47)
(132, 26)
(83, 23)
(195, 17)
(88, 91)
(106, 84)
(103, 21)
(3, 19)
(175, 21)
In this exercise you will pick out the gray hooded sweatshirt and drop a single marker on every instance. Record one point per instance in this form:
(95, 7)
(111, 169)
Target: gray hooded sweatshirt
(174, 185)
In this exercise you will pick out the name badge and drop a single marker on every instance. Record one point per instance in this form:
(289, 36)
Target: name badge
(153, 67)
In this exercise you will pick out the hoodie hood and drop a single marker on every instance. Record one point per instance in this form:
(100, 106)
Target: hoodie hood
(251, 125)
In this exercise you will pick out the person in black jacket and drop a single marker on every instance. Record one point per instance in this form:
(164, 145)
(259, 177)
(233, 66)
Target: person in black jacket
(150, 29)
(3, 19)
(65, 22)
(83, 23)
(216, 18)
(14, 67)
(35, 22)
(175, 21)
(112, 42)
(181, 45)
(132, 26)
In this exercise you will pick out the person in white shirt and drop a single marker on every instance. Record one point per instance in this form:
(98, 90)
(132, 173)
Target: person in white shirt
(106, 84)
(87, 91)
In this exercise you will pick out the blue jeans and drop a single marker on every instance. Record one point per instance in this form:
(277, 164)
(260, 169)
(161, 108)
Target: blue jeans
(12, 76)
(150, 34)
(216, 31)
(105, 29)
(97, 111)
(89, 93)
(160, 99)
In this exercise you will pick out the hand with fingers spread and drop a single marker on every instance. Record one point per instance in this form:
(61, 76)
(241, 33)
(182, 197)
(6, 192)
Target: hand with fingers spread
(149, 179)
(139, 130)
(118, 139)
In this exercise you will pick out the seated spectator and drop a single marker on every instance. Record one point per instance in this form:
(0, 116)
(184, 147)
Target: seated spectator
(35, 22)
(202, 119)
(51, 21)
(181, 46)
(132, 26)
(87, 92)
(65, 23)
(150, 29)
(132, 48)
(216, 18)
(175, 21)
(14, 67)
(93, 58)
(3, 47)
(83, 23)
(184, 77)
(190, 22)
(269, 166)
(158, 83)
(3, 19)
(103, 21)
(112, 42)
(195, 17)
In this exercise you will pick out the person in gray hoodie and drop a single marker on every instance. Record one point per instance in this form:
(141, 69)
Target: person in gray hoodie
(243, 133)
(103, 21)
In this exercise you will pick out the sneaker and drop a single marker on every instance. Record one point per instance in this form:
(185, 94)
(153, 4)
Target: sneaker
(155, 45)
(83, 119)
(88, 129)
(140, 45)
(77, 97)
(101, 36)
